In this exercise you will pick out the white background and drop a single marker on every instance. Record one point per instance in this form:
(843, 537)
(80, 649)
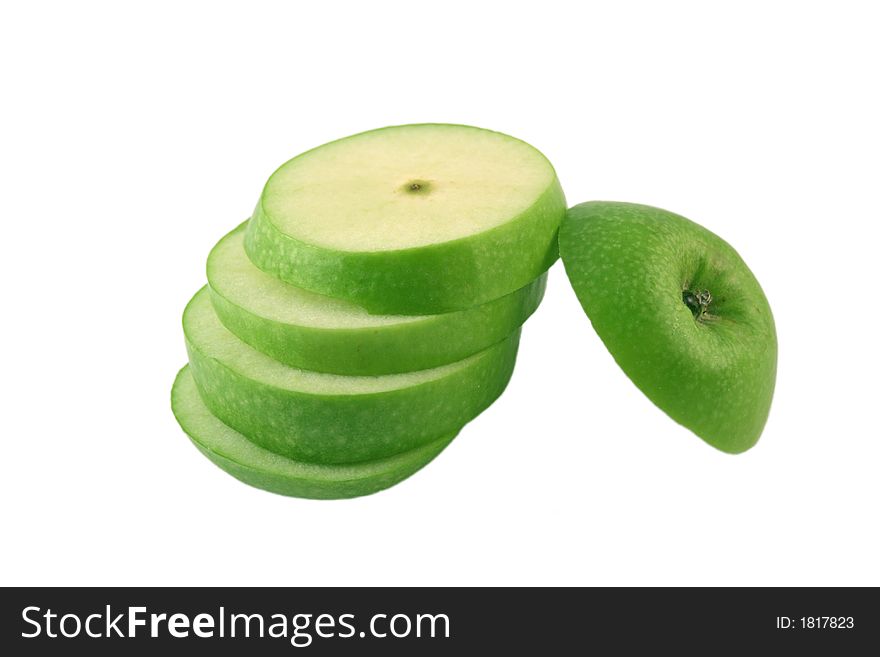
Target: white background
(132, 139)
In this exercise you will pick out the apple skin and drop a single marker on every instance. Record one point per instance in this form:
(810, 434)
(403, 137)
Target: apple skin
(425, 280)
(329, 418)
(711, 368)
(348, 340)
(263, 469)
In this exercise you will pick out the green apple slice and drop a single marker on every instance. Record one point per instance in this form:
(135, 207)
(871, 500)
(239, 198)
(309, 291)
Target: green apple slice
(330, 418)
(681, 313)
(261, 468)
(315, 332)
(411, 220)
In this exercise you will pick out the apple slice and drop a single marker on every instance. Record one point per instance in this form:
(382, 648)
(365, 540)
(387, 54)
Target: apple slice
(320, 333)
(329, 418)
(261, 468)
(681, 313)
(411, 220)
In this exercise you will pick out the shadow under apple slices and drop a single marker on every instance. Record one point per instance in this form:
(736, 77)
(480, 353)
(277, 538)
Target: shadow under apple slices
(263, 469)
(330, 418)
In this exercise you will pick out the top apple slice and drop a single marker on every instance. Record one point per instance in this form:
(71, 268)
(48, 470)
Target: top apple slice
(407, 220)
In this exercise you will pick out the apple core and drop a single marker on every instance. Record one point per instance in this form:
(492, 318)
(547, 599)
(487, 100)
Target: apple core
(417, 187)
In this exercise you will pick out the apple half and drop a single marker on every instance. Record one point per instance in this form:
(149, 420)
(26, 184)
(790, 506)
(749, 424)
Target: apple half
(315, 332)
(411, 220)
(261, 468)
(680, 312)
(329, 418)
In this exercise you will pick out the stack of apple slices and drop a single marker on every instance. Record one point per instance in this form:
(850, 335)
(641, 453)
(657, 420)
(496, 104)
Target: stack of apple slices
(369, 308)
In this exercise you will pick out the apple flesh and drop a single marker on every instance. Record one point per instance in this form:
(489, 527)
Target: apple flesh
(330, 418)
(261, 468)
(410, 220)
(315, 332)
(680, 312)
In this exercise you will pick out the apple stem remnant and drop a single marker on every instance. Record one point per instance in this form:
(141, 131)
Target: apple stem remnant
(697, 301)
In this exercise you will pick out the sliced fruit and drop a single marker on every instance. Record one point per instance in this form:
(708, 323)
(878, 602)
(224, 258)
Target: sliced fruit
(316, 332)
(681, 313)
(410, 220)
(264, 469)
(329, 418)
